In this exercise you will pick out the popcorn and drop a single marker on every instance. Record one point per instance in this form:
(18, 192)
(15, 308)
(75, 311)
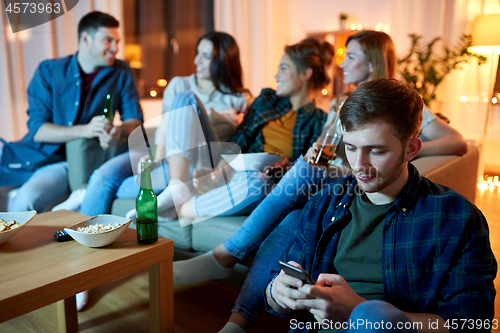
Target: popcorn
(6, 226)
(98, 228)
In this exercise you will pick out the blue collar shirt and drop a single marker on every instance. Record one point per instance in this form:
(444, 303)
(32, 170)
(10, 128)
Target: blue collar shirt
(54, 97)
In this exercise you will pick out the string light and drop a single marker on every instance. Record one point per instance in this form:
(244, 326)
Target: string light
(153, 93)
(324, 92)
(489, 183)
(161, 82)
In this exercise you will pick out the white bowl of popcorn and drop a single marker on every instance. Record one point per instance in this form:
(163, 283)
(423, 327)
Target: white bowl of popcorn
(99, 230)
(12, 223)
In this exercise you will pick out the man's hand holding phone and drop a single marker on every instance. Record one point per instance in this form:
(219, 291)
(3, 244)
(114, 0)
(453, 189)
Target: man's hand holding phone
(284, 289)
(329, 298)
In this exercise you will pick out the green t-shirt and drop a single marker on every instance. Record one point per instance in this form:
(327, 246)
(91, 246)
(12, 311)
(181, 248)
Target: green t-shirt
(359, 251)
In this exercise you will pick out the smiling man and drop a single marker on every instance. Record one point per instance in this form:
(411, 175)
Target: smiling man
(66, 97)
(390, 250)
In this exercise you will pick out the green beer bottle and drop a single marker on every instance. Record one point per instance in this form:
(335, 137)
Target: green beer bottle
(108, 111)
(147, 208)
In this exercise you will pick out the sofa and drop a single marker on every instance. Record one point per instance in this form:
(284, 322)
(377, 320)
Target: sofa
(192, 238)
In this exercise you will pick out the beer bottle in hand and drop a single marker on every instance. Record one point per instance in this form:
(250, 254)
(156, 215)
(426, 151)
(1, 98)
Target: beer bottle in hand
(329, 139)
(147, 208)
(108, 111)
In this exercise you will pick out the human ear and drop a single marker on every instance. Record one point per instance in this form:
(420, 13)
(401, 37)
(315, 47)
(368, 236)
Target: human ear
(412, 148)
(85, 38)
(307, 74)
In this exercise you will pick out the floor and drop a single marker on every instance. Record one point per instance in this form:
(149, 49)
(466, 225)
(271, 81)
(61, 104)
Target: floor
(122, 305)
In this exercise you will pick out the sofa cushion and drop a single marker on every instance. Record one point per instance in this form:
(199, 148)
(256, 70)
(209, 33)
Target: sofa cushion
(457, 172)
(211, 232)
(86, 155)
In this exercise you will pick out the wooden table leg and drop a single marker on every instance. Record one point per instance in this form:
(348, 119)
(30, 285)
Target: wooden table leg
(67, 319)
(161, 297)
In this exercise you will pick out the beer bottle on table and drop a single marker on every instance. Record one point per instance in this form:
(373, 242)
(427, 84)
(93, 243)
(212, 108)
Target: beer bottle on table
(330, 138)
(147, 208)
(108, 111)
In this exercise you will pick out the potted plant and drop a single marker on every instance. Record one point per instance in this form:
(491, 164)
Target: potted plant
(424, 70)
(343, 20)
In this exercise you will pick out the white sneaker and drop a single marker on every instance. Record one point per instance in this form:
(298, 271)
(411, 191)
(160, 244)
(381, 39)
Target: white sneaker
(81, 300)
(74, 201)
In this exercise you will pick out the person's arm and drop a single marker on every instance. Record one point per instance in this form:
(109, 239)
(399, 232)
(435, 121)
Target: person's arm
(52, 133)
(331, 298)
(444, 140)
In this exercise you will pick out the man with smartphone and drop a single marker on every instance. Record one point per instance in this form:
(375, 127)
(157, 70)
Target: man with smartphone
(388, 248)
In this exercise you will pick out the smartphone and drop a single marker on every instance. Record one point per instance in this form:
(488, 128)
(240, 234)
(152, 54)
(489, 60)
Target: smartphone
(296, 272)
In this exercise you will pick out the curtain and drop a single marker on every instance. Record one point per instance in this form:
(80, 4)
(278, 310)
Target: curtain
(263, 27)
(21, 52)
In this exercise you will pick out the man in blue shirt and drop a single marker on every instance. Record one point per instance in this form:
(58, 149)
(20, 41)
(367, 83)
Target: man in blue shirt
(66, 97)
(388, 249)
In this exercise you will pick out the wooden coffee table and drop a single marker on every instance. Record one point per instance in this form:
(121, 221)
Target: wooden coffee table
(37, 271)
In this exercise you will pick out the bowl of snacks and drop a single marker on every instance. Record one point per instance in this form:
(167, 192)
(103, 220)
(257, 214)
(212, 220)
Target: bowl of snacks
(12, 223)
(99, 230)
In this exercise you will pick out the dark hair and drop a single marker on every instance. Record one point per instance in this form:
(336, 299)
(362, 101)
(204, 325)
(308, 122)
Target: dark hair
(387, 100)
(380, 52)
(225, 68)
(95, 20)
(310, 53)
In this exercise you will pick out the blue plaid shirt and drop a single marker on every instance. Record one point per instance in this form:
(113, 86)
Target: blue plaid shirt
(436, 254)
(269, 106)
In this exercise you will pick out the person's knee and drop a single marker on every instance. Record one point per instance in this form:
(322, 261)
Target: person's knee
(258, 186)
(103, 178)
(375, 307)
(377, 311)
(26, 200)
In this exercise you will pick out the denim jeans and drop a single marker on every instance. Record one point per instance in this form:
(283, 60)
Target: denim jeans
(292, 191)
(47, 184)
(270, 228)
(373, 313)
(377, 316)
(250, 301)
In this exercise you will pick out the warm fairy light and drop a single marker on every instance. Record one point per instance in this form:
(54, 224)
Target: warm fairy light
(359, 27)
(489, 183)
(324, 92)
(161, 82)
(464, 99)
(353, 26)
(153, 93)
(328, 28)
(379, 27)
(338, 60)
(340, 50)
(494, 100)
